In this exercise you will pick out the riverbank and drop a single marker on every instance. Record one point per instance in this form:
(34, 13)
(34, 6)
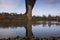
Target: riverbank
(14, 17)
(32, 38)
(14, 20)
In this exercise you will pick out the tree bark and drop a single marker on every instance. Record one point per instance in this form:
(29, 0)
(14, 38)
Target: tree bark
(29, 12)
(29, 7)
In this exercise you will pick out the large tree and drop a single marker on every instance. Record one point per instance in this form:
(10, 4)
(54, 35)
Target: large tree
(29, 7)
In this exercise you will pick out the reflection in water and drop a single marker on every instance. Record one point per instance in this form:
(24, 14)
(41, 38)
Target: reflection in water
(41, 29)
(12, 32)
(29, 29)
(49, 23)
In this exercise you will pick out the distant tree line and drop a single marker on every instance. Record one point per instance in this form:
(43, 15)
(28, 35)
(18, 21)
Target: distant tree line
(4, 16)
(46, 18)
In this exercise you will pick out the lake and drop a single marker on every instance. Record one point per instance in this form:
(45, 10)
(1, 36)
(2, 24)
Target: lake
(39, 29)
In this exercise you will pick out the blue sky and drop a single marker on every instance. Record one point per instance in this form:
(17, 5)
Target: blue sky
(42, 7)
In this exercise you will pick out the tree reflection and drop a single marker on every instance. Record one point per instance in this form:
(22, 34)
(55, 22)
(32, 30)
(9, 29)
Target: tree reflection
(49, 23)
(44, 23)
(28, 27)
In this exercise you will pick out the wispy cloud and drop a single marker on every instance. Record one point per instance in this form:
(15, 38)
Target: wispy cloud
(53, 1)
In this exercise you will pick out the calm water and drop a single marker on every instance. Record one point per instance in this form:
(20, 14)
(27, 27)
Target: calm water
(41, 29)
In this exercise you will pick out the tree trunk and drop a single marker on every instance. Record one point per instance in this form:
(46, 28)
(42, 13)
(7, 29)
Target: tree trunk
(29, 12)
(29, 7)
